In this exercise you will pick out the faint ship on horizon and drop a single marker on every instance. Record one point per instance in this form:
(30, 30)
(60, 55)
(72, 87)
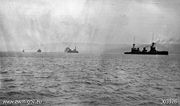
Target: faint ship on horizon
(69, 50)
(39, 51)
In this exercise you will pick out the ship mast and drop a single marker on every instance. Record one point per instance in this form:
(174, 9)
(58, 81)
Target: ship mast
(152, 37)
(133, 41)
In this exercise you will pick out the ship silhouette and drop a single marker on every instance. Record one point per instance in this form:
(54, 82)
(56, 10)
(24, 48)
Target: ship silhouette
(39, 50)
(69, 50)
(152, 51)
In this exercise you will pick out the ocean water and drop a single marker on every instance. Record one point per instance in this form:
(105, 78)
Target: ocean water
(89, 79)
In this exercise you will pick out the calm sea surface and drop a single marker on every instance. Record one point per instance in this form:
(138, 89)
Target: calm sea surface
(89, 80)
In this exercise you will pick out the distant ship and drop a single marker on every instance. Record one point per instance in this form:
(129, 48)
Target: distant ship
(68, 50)
(39, 50)
(152, 51)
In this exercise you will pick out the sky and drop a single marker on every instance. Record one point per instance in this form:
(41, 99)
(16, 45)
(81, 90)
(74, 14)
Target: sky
(55, 24)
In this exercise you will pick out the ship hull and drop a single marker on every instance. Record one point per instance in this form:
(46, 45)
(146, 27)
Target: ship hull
(148, 53)
(72, 52)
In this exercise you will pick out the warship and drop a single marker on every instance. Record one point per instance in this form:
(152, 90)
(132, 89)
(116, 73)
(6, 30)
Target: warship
(68, 50)
(39, 50)
(152, 51)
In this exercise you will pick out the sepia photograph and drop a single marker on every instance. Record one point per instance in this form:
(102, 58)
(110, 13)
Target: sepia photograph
(89, 52)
